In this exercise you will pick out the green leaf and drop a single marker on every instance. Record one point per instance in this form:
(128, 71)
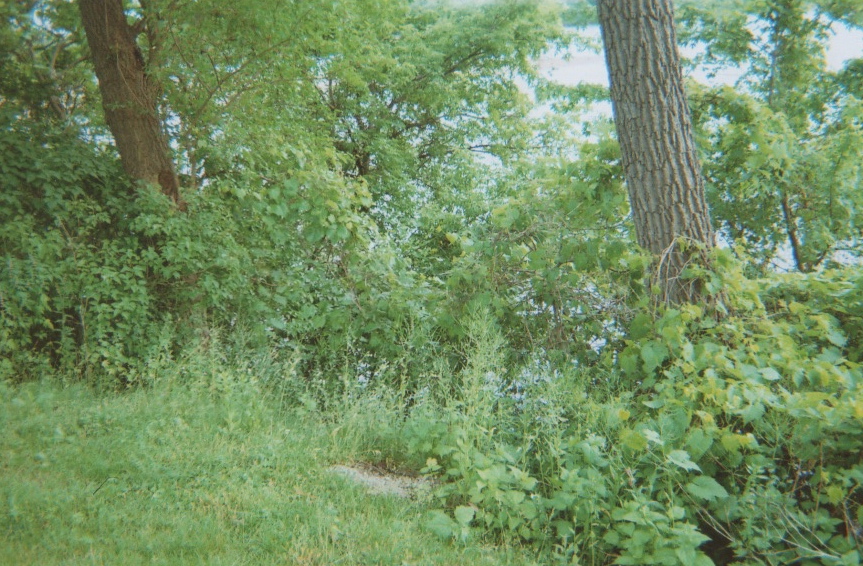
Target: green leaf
(633, 440)
(653, 353)
(770, 374)
(698, 442)
(797, 308)
(652, 436)
(441, 524)
(641, 326)
(686, 555)
(706, 488)
(752, 412)
(680, 458)
(835, 337)
(564, 528)
(629, 360)
(464, 515)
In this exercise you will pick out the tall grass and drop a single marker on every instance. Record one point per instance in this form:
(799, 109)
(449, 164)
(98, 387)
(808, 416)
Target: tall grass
(202, 466)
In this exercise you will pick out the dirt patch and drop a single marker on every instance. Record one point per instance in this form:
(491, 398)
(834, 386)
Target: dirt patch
(381, 482)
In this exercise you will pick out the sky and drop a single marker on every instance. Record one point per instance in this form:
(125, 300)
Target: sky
(587, 66)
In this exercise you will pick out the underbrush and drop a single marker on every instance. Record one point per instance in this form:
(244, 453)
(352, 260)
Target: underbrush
(722, 434)
(729, 434)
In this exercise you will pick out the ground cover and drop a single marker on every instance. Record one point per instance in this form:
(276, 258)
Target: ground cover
(197, 474)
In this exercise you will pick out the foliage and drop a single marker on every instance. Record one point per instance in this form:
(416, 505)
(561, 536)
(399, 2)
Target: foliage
(549, 256)
(42, 59)
(579, 13)
(284, 230)
(96, 276)
(397, 98)
(389, 253)
(72, 285)
(738, 425)
(781, 151)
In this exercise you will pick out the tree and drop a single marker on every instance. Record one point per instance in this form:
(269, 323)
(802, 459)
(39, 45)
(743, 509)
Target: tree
(129, 95)
(41, 56)
(663, 175)
(782, 152)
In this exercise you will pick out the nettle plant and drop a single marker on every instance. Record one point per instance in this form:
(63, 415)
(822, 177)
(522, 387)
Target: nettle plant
(722, 433)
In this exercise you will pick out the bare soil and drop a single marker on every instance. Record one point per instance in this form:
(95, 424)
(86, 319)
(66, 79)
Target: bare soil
(378, 481)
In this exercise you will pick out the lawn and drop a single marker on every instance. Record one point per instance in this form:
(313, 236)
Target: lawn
(201, 474)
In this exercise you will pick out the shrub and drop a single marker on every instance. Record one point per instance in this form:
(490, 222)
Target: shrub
(730, 433)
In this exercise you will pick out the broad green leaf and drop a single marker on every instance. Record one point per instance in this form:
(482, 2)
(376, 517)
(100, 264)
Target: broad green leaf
(770, 374)
(681, 459)
(698, 442)
(441, 524)
(752, 412)
(633, 440)
(836, 337)
(706, 488)
(641, 326)
(653, 353)
(464, 515)
(652, 436)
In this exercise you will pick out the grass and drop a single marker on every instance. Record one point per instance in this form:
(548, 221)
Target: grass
(194, 474)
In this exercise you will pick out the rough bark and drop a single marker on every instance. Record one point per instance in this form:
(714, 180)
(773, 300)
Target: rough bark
(129, 96)
(651, 114)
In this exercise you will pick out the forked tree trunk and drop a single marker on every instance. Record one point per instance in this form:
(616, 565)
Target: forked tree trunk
(651, 115)
(129, 96)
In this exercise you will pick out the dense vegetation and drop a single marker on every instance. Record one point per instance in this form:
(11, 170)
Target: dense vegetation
(381, 237)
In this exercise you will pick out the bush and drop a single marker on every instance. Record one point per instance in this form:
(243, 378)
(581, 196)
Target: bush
(730, 433)
(73, 289)
(95, 274)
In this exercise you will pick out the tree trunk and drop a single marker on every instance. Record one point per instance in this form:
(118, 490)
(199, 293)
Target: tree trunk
(129, 96)
(651, 115)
